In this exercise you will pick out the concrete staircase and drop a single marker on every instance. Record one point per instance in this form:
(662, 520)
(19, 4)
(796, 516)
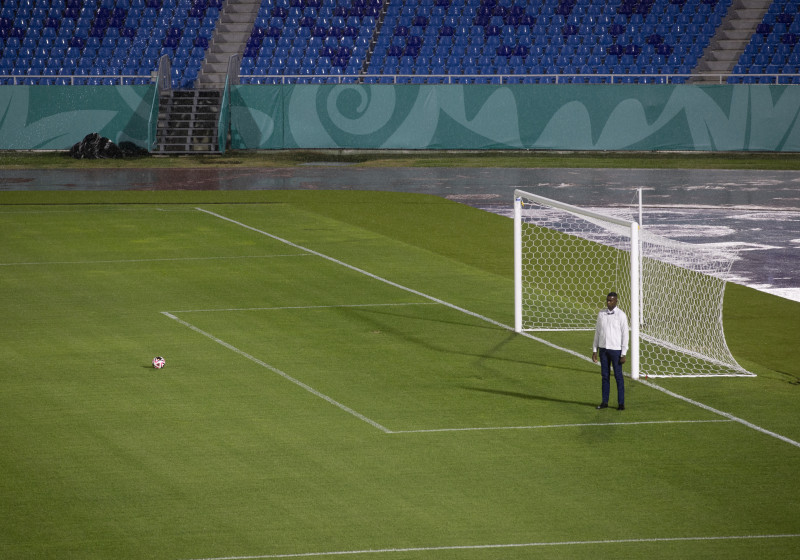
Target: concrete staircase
(733, 35)
(188, 121)
(235, 24)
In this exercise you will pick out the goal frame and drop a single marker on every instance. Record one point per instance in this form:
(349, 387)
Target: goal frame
(634, 264)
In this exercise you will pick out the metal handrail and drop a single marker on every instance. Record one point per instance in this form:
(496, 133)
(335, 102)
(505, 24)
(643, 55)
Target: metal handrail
(720, 78)
(164, 74)
(152, 120)
(232, 72)
(235, 78)
(224, 119)
(71, 79)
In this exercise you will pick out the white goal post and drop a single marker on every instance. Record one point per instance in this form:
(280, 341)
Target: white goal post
(567, 259)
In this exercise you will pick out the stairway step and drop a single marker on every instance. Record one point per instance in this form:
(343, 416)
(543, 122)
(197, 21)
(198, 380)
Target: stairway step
(237, 17)
(232, 27)
(187, 119)
(719, 65)
(183, 151)
(175, 131)
(172, 142)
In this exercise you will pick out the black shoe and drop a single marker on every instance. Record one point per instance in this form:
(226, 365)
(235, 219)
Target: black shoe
(621, 407)
(603, 405)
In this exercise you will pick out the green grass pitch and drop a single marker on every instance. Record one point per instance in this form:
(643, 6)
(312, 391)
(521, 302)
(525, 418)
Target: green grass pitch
(340, 382)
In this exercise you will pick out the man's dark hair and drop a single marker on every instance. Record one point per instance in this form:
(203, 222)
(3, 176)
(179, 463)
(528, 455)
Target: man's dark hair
(612, 294)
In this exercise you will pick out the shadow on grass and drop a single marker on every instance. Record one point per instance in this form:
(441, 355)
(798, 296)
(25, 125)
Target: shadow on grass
(493, 354)
(528, 396)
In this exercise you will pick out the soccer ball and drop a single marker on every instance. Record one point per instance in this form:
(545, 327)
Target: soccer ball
(159, 362)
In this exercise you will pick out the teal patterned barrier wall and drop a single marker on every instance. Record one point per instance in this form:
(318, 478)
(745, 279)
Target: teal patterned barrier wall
(562, 117)
(56, 117)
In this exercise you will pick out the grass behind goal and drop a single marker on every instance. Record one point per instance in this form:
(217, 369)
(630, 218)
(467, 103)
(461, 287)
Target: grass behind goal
(353, 390)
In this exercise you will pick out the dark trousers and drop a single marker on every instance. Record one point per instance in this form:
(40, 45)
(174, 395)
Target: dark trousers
(610, 358)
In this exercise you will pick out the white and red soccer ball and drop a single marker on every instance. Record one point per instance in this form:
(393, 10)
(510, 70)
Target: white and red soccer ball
(159, 362)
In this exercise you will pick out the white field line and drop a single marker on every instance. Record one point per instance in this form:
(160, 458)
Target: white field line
(506, 546)
(279, 372)
(493, 322)
(175, 259)
(545, 426)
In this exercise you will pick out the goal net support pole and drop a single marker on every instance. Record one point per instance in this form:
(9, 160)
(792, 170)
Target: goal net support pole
(636, 285)
(517, 264)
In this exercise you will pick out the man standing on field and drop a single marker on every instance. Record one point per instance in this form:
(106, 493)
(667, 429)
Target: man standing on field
(611, 345)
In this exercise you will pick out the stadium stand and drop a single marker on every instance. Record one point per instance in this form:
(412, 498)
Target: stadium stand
(395, 41)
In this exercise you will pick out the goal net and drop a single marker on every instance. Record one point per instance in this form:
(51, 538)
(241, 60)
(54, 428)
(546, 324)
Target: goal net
(567, 259)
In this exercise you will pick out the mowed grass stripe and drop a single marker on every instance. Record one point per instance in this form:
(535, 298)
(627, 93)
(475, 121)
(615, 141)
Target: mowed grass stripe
(126, 261)
(283, 307)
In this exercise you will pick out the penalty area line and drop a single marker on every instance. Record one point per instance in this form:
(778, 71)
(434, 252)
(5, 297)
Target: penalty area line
(502, 546)
(273, 369)
(545, 426)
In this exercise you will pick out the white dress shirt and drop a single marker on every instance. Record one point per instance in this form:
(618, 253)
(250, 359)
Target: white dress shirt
(611, 331)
